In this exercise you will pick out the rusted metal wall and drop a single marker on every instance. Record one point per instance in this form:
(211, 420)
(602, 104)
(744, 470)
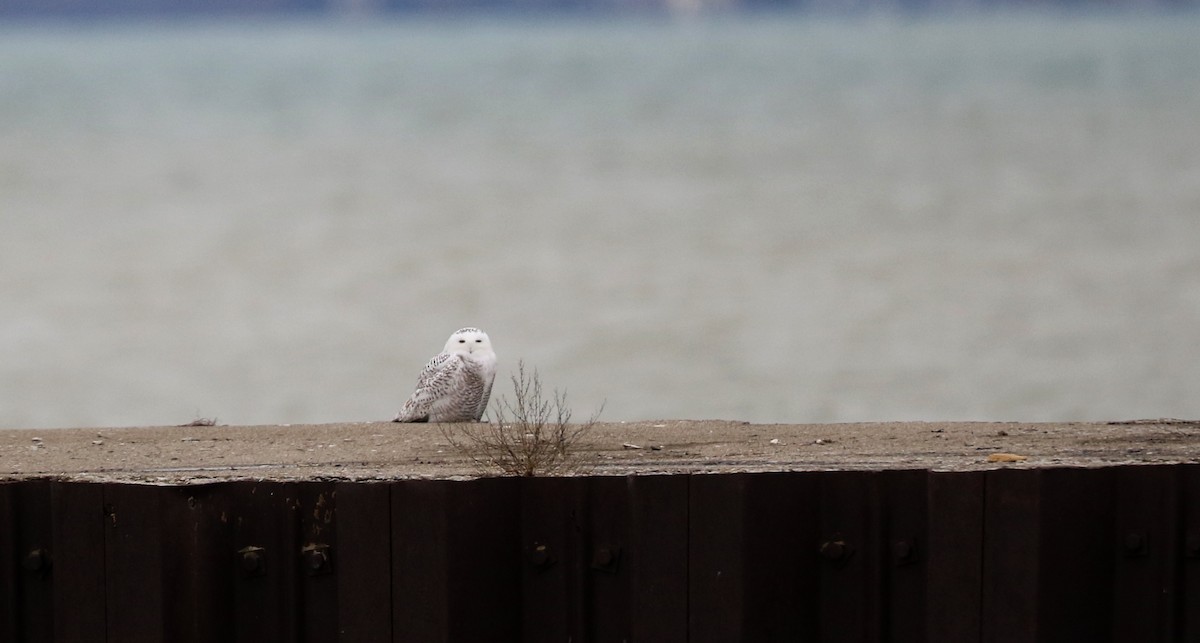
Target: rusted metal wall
(1107, 554)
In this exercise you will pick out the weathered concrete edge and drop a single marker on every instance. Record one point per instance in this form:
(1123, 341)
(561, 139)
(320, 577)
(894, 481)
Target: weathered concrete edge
(380, 452)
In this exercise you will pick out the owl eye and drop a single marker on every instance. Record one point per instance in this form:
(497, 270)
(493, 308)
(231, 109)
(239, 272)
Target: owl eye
(462, 341)
(479, 341)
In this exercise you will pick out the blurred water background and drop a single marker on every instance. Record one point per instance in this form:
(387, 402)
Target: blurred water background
(775, 217)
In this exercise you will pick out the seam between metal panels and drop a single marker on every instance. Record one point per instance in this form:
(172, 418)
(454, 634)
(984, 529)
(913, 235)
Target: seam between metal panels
(687, 557)
(983, 571)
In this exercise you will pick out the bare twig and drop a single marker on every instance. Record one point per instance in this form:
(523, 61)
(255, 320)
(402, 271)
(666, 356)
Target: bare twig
(528, 435)
(201, 422)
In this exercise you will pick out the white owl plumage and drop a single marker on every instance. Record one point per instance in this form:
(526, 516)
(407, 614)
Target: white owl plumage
(455, 385)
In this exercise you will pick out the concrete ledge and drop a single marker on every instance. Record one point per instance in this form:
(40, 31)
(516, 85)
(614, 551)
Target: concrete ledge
(385, 451)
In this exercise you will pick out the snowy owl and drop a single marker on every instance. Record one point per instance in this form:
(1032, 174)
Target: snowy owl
(455, 385)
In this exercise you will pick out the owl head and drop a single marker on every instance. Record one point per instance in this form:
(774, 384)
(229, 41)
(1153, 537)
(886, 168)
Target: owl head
(469, 340)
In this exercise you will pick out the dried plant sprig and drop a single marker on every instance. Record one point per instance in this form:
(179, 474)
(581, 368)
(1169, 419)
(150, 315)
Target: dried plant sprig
(529, 435)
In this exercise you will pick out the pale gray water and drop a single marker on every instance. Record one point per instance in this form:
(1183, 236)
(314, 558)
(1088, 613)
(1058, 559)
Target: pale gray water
(771, 219)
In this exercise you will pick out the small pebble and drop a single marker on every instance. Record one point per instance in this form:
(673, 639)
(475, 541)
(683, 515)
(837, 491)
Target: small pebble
(1006, 457)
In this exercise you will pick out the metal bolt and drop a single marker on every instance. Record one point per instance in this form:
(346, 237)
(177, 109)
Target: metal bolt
(36, 560)
(606, 558)
(835, 550)
(1192, 547)
(252, 560)
(1136, 544)
(904, 552)
(539, 556)
(316, 558)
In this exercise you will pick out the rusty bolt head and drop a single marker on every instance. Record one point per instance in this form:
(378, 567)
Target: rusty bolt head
(36, 560)
(251, 560)
(539, 555)
(835, 550)
(606, 558)
(904, 552)
(1136, 544)
(1192, 546)
(316, 558)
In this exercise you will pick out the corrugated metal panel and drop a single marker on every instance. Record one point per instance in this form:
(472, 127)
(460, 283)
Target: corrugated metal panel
(1074, 556)
(35, 551)
(1189, 576)
(952, 554)
(781, 561)
(362, 569)
(455, 560)
(1147, 530)
(419, 562)
(852, 553)
(1010, 557)
(483, 564)
(9, 562)
(553, 578)
(653, 559)
(134, 557)
(318, 556)
(199, 564)
(716, 532)
(265, 554)
(1020, 554)
(903, 537)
